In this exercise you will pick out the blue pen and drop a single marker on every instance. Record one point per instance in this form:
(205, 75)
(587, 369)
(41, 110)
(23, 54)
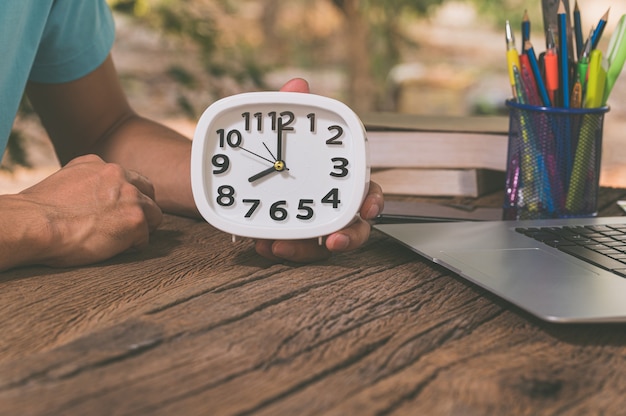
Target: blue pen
(534, 65)
(563, 57)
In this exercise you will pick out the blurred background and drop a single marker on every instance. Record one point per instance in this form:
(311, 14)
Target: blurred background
(175, 57)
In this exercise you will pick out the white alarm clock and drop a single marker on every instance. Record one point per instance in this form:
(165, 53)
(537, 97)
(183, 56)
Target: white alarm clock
(279, 165)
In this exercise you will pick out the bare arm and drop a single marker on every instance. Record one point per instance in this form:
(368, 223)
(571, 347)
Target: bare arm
(92, 115)
(86, 212)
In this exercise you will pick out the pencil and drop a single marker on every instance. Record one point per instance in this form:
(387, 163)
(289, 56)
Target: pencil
(525, 27)
(534, 65)
(563, 56)
(578, 30)
(597, 34)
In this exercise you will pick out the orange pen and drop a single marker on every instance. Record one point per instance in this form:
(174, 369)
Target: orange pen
(551, 65)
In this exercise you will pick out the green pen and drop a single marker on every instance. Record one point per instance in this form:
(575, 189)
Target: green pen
(615, 56)
(583, 64)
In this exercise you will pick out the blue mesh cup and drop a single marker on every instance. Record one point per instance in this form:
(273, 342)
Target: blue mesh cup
(553, 162)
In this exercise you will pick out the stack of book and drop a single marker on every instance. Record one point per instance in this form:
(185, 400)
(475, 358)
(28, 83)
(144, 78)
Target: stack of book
(437, 156)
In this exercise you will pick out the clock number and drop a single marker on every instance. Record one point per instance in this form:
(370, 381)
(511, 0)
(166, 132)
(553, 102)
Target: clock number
(311, 117)
(302, 206)
(226, 195)
(332, 197)
(233, 138)
(221, 162)
(340, 166)
(259, 120)
(277, 212)
(255, 204)
(335, 139)
(286, 119)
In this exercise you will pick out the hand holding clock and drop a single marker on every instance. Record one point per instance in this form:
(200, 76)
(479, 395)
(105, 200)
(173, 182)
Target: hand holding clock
(349, 238)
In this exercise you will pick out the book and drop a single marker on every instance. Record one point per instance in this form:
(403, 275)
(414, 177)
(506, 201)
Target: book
(438, 182)
(410, 141)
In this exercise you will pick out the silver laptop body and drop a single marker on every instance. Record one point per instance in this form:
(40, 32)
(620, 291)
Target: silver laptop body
(540, 279)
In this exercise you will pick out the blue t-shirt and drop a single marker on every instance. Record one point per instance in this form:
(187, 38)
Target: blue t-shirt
(49, 41)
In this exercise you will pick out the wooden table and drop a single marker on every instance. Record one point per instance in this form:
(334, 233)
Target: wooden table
(196, 325)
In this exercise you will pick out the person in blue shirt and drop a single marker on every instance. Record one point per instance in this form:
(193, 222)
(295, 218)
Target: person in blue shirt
(119, 170)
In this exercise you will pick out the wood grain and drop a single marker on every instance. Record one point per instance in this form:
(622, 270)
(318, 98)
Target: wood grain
(197, 325)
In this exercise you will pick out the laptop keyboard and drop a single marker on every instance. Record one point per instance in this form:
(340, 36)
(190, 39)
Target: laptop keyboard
(601, 245)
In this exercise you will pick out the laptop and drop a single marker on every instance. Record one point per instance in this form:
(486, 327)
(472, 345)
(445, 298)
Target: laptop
(565, 270)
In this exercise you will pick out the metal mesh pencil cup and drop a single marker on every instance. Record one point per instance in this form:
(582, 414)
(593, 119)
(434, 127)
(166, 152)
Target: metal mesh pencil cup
(553, 162)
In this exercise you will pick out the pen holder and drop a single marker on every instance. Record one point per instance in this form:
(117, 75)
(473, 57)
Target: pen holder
(553, 162)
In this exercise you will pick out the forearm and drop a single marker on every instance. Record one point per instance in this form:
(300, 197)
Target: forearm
(157, 152)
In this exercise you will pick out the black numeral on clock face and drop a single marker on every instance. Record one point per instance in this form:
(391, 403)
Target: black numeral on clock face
(335, 139)
(304, 206)
(226, 195)
(233, 138)
(332, 198)
(221, 163)
(255, 204)
(340, 166)
(278, 211)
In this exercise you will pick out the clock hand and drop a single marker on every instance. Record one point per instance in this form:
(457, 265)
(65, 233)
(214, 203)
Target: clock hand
(279, 141)
(278, 166)
(261, 174)
(270, 152)
(256, 154)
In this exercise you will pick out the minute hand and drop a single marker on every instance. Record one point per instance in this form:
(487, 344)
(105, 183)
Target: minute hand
(279, 140)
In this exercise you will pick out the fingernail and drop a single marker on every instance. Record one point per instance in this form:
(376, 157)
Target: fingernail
(283, 250)
(341, 242)
(372, 212)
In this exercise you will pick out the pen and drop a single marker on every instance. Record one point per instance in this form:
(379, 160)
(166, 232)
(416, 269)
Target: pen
(597, 34)
(519, 87)
(551, 68)
(512, 57)
(578, 30)
(615, 56)
(532, 58)
(596, 80)
(528, 81)
(583, 62)
(577, 95)
(563, 57)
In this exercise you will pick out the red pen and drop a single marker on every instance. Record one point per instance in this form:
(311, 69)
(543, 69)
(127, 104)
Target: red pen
(528, 81)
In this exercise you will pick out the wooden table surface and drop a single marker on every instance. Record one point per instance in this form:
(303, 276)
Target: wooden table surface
(196, 325)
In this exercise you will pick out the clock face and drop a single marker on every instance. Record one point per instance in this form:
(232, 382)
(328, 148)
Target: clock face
(279, 165)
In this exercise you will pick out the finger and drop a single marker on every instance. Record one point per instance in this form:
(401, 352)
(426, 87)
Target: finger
(152, 212)
(349, 238)
(141, 182)
(90, 158)
(374, 202)
(296, 85)
(299, 251)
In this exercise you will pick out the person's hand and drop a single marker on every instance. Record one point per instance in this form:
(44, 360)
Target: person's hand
(349, 238)
(91, 210)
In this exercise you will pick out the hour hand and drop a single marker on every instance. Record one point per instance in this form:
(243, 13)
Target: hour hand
(261, 174)
(278, 166)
